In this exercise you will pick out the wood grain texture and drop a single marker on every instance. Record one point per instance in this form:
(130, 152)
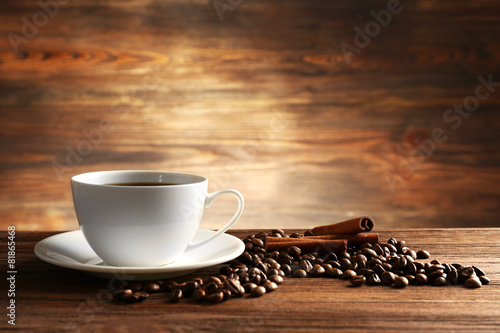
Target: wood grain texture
(264, 102)
(53, 299)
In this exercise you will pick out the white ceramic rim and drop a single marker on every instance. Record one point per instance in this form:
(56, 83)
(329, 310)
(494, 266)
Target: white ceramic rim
(93, 178)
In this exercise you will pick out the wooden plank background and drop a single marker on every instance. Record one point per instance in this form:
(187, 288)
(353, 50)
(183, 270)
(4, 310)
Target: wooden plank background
(260, 98)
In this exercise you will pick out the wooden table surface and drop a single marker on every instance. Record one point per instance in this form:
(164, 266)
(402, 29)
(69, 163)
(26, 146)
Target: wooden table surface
(264, 101)
(54, 299)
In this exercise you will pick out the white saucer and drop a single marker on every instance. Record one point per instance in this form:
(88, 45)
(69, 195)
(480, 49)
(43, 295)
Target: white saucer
(71, 250)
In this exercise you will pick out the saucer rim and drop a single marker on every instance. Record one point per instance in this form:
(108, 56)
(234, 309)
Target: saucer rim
(229, 240)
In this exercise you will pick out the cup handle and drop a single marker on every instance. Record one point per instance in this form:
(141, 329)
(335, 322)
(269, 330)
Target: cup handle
(208, 202)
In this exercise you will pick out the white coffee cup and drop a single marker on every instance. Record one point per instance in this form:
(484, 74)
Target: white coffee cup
(147, 225)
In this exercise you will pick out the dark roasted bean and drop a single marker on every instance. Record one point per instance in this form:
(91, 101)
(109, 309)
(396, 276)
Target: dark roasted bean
(478, 271)
(357, 280)
(421, 279)
(472, 282)
(300, 273)
(278, 279)
(295, 235)
(392, 241)
(440, 281)
(270, 286)
(452, 277)
(410, 278)
(258, 291)
(287, 270)
(334, 272)
(317, 270)
(348, 274)
(151, 287)
(422, 254)
(121, 293)
(400, 282)
(249, 287)
(305, 265)
(388, 277)
(189, 287)
(175, 295)
(199, 295)
(373, 279)
(294, 251)
(484, 279)
(216, 297)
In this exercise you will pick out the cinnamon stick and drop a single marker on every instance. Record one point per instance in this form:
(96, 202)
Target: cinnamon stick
(309, 245)
(352, 239)
(352, 226)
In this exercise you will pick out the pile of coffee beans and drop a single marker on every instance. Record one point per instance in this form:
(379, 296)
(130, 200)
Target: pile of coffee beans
(256, 272)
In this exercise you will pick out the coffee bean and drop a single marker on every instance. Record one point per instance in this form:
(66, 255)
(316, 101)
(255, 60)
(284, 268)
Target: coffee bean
(258, 291)
(213, 279)
(466, 272)
(278, 279)
(472, 282)
(373, 279)
(216, 297)
(484, 279)
(317, 270)
(257, 242)
(294, 251)
(305, 265)
(440, 281)
(334, 272)
(368, 252)
(270, 286)
(287, 270)
(189, 287)
(151, 287)
(348, 274)
(118, 296)
(199, 295)
(278, 231)
(421, 279)
(388, 277)
(300, 273)
(392, 241)
(358, 280)
(400, 282)
(344, 263)
(478, 271)
(295, 235)
(175, 295)
(248, 287)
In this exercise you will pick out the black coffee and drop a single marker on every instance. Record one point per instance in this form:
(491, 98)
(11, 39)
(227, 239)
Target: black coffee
(142, 184)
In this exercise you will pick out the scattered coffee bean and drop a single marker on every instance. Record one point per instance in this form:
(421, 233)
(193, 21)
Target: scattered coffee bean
(358, 280)
(151, 287)
(278, 279)
(175, 295)
(472, 282)
(300, 273)
(348, 274)
(400, 282)
(216, 297)
(256, 272)
(373, 279)
(199, 295)
(258, 291)
(270, 286)
(484, 279)
(118, 296)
